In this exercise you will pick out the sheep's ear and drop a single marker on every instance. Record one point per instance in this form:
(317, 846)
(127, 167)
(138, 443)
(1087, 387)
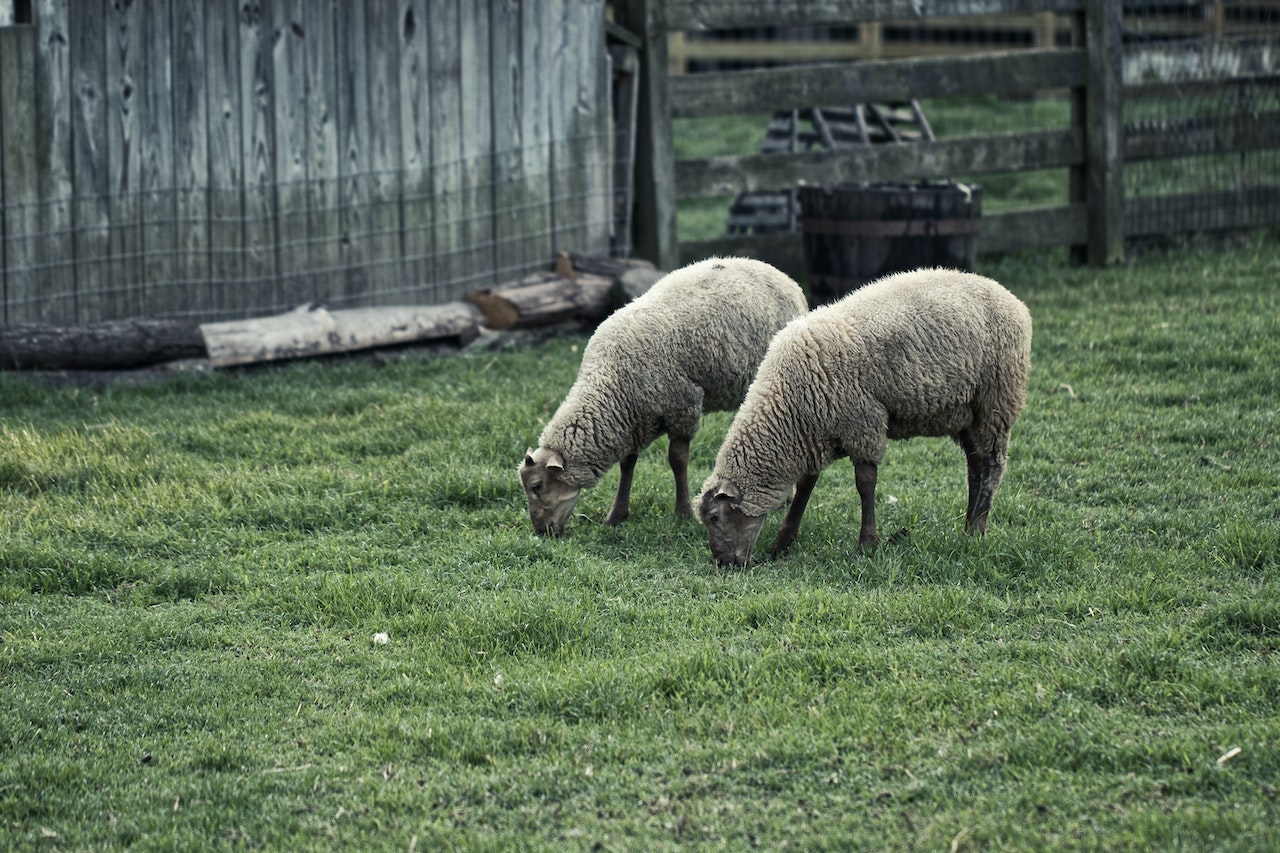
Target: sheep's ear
(555, 462)
(728, 492)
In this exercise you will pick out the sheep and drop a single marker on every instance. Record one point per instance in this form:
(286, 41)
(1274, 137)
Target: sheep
(925, 353)
(690, 343)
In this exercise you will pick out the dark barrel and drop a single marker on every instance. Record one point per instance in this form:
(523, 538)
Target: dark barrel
(855, 233)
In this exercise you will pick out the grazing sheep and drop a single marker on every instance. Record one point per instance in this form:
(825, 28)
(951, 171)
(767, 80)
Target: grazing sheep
(930, 352)
(689, 344)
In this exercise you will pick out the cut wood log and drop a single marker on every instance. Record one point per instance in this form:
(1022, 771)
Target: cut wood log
(311, 330)
(611, 267)
(112, 345)
(543, 298)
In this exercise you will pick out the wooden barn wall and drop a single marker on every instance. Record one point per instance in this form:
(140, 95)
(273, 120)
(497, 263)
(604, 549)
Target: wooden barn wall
(219, 159)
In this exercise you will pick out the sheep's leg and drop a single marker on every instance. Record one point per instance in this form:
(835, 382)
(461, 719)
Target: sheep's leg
(678, 457)
(622, 501)
(973, 464)
(790, 528)
(864, 476)
(985, 472)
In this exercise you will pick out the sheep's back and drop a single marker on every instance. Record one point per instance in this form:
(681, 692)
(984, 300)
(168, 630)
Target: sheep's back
(927, 346)
(706, 325)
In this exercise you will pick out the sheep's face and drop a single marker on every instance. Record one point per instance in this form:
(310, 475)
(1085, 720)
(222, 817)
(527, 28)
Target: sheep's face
(550, 498)
(730, 531)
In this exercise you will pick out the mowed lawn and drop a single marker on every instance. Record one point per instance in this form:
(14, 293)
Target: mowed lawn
(301, 607)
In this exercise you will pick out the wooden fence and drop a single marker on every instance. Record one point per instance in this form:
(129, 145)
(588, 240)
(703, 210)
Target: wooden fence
(214, 159)
(1097, 69)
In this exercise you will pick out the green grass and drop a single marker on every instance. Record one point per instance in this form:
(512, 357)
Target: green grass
(192, 574)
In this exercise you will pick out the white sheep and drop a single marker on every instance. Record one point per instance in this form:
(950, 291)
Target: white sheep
(689, 344)
(930, 352)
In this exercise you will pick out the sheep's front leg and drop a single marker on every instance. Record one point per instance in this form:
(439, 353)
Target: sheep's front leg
(864, 476)
(790, 528)
(678, 457)
(622, 501)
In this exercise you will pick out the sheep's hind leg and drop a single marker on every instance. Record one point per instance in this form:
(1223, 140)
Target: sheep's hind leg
(622, 501)
(973, 464)
(678, 458)
(985, 472)
(864, 475)
(790, 528)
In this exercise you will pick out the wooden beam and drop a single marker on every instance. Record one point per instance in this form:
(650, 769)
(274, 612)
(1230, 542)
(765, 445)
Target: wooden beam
(726, 176)
(724, 14)
(771, 89)
(1104, 133)
(655, 198)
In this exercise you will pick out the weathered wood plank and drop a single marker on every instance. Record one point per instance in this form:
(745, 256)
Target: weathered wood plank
(767, 90)
(155, 139)
(289, 77)
(415, 148)
(1207, 211)
(191, 160)
(57, 280)
(226, 159)
(504, 92)
(566, 178)
(476, 130)
(724, 14)
(89, 158)
(353, 151)
(655, 186)
(1006, 231)
(324, 227)
(1031, 228)
(1104, 133)
(385, 224)
(257, 129)
(126, 64)
(1160, 140)
(532, 214)
(446, 148)
(596, 127)
(727, 176)
(18, 162)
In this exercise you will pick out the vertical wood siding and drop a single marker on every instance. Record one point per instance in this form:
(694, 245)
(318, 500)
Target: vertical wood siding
(214, 160)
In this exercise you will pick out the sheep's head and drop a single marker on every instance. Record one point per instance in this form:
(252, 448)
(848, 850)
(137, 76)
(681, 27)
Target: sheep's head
(730, 531)
(550, 498)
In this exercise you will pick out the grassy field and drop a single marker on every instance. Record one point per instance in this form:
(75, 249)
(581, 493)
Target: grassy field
(302, 608)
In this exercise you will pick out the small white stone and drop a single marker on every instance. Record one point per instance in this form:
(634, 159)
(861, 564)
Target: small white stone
(381, 638)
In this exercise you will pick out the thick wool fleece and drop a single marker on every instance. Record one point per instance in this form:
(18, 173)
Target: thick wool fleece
(929, 352)
(691, 343)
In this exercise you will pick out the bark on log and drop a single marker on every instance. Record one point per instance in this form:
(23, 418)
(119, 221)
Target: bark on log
(610, 267)
(112, 345)
(312, 330)
(544, 298)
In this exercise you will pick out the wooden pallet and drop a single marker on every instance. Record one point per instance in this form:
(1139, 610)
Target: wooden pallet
(826, 128)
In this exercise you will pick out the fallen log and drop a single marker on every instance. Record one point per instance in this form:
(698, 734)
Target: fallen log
(312, 330)
(111, 345)
(544, 298)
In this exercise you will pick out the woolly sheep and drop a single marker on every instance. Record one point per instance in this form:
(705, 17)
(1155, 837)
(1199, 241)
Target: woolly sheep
(929, 352)
(691, 343)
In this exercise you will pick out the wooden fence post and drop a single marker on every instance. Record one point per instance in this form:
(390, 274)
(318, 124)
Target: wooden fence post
(655, 237)
(1104, 132)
